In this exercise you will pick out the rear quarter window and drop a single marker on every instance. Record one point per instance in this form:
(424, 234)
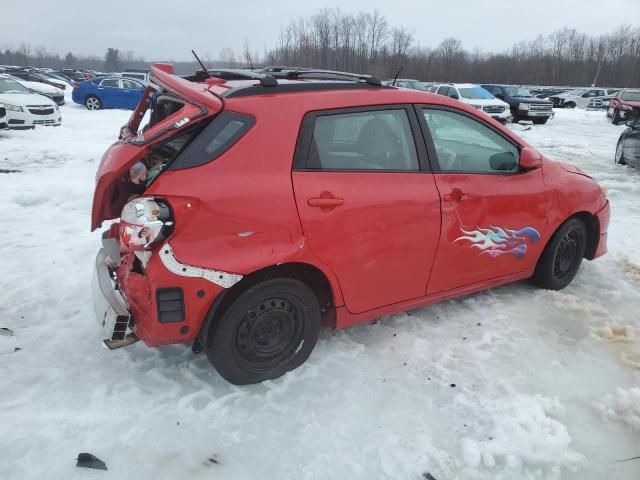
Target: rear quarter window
(215, 139)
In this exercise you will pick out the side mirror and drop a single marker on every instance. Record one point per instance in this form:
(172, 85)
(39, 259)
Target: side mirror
(505, 161)
(530, 159)
(498, 95)
(634, 124)
(454, 96)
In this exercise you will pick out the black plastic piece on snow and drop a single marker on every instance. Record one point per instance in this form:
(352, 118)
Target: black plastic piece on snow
(86, 460)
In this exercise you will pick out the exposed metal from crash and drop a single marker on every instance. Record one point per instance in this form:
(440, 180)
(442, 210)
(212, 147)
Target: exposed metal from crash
(223, 279)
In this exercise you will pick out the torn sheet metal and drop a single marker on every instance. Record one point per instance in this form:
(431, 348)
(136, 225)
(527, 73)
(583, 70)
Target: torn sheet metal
(223, 279)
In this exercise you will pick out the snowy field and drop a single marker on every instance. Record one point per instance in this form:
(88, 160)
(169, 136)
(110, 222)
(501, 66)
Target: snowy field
(513, 383)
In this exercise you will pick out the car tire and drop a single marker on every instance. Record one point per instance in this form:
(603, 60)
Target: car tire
(266, 331)
(615, 118)
(540, 121)
(561, 258)
(515, 118)
(619, 156)
(92, 102)
(570, 105)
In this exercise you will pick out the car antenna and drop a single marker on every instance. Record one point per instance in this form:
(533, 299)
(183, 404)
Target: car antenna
(201, 64)
(396, 77)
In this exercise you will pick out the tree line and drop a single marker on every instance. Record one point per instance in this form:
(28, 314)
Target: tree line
(365, 42)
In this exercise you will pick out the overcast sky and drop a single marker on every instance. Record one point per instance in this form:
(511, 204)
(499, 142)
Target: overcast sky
(161, 30)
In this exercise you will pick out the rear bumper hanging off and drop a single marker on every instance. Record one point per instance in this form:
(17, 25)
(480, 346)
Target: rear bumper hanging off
(110, 307)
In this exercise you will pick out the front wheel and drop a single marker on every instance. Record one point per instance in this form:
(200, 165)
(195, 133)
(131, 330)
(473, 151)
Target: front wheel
(561, 258)
(268, 330)
(93, 103)
(570, 105)
(619, 158)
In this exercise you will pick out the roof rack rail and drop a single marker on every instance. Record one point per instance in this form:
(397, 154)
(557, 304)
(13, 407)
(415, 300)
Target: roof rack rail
(333, 75)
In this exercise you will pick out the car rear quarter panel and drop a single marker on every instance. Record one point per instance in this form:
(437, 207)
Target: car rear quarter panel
(238, 213)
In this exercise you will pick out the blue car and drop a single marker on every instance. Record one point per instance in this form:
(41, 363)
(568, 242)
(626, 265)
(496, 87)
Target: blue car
(108, 92)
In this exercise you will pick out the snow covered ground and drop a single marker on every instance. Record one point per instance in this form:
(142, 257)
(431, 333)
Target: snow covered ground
(513, 383)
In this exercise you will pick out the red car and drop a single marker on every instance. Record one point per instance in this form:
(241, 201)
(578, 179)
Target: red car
(624, 106)
(251, 211)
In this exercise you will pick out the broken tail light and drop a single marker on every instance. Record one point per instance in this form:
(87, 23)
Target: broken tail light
(144, 221)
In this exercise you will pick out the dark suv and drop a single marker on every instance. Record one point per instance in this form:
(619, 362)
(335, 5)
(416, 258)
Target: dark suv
(524, 106)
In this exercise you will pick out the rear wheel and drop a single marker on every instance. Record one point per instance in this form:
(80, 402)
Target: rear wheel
(619, 158)
(540, 121)
(561, 258)
(268, 330)
(93, 103)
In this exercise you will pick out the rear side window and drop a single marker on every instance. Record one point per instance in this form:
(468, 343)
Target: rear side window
(216, 138)
(367, 140)
(110, 82)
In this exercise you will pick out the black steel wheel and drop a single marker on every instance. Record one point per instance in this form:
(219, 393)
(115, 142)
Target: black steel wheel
(561, 258)
(570, 105)
(267, 330)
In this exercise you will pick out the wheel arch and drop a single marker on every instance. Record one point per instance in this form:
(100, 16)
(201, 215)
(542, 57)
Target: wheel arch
(593, 232)
(306, 273)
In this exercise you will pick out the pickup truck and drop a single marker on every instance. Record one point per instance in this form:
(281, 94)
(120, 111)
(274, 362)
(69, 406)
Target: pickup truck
(580, 97)
(523, 105)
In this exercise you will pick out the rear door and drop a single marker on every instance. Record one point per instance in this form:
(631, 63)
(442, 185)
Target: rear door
(367, 208)
(494, 217)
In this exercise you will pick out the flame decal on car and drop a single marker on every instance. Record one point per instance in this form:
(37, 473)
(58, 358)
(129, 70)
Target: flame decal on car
(497, 241)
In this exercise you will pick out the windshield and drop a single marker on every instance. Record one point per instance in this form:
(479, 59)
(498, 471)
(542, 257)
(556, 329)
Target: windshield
(517, 92)
(418, 86)
(475, 93)
(11, 86)
(576, 93)
(631, 96)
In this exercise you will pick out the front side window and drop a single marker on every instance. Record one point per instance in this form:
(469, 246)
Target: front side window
(110, 82)
(466, 145)
(365, 140)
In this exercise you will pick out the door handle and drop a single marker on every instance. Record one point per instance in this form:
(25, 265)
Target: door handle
(325, 202)
(456, 195)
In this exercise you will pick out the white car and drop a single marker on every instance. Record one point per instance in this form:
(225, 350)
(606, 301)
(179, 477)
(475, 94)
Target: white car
(580, 97)
(477, 97)
(48, 91)
(24, 108)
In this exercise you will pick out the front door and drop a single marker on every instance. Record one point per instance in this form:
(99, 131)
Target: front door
(493, 214)
(367, 209)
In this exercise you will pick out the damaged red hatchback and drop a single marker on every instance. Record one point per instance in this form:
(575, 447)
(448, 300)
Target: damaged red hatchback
(252, 211)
